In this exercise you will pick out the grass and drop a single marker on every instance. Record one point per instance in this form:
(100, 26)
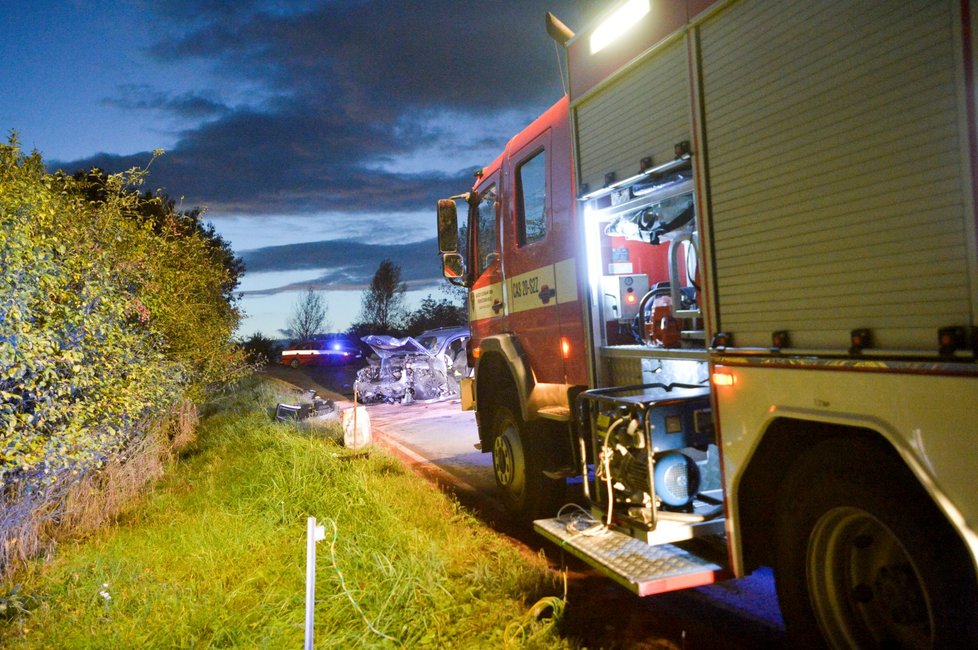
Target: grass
(214, 556)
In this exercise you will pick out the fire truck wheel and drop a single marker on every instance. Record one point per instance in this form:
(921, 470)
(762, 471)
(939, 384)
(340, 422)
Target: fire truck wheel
(294, 363)
(864, 559)
(518, 461)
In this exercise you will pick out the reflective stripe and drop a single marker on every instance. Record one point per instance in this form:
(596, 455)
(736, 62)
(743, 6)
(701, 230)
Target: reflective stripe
(565, 273)
(543, 287)
(533, 289)
(546, 286)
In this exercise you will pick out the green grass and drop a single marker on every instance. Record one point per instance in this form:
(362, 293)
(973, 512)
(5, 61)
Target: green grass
(214, 556)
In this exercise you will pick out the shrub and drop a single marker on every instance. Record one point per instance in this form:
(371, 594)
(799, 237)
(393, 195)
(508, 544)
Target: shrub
(260, 350)
(106, 324)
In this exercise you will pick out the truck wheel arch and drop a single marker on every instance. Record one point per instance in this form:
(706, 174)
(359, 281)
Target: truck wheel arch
(502, 377)
(867, 557)
(784, 442)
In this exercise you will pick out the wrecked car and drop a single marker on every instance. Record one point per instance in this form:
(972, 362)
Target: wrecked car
(428, 367)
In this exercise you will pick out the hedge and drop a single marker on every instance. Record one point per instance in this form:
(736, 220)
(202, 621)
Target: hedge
(113, 311)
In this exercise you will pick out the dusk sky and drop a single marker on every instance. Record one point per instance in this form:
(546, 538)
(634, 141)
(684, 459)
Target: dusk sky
(293, 123)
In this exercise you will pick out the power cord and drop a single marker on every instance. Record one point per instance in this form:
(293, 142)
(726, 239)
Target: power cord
(604, 468)
(579, 521)
(517, 630)
(356, 606)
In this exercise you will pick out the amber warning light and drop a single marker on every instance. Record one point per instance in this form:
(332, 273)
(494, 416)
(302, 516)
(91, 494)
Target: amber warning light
(565, 347)
(723, 377)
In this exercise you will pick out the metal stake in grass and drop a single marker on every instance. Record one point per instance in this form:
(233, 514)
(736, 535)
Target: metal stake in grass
(314, 534)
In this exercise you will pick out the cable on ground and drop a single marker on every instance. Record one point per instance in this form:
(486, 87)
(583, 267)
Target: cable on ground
(339, 574)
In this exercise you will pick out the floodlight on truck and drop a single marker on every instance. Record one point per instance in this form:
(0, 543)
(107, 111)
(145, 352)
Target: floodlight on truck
(618, 23)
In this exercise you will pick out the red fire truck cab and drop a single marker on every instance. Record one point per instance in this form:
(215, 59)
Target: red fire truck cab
(525, 309)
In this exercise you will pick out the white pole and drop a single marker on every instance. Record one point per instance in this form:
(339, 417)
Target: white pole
(354, 416)
(310, 579)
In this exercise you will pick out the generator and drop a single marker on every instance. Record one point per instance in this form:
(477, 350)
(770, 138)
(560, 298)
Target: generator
(653, 453)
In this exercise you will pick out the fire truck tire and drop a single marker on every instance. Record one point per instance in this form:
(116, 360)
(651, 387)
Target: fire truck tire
(294, 363)
(518, 459)
(863, 559)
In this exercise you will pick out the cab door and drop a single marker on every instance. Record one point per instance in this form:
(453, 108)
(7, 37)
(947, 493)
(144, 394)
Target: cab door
(528, 273)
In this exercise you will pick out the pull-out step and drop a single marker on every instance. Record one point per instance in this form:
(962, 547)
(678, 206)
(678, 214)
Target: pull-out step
(642, 568)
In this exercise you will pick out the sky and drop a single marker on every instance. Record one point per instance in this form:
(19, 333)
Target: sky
(318, 134)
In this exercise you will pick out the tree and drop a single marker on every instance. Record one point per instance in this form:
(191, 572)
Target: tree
(159, 210)
(308, 316)
(382, 306)
(259, 349)
(435, 313)
(456, 294)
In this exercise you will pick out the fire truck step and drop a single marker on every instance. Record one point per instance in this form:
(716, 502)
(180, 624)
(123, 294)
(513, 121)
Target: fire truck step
(642, 568)
(558, 413)
(560, 472)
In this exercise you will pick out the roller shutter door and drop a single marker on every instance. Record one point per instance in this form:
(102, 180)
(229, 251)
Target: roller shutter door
(644, 112)
(836, 171)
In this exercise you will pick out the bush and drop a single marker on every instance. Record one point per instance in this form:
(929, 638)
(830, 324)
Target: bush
(261, 350)
(106, 324)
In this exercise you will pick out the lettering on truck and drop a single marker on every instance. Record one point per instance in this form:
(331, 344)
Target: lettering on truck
(525, 287)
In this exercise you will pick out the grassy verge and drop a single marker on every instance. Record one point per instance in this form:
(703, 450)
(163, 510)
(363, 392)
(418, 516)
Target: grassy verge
(215, 556)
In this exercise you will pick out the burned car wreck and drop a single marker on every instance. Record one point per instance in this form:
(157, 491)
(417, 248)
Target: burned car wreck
(407, 369)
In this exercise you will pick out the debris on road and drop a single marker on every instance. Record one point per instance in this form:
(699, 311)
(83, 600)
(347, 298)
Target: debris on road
(356, 428)
(314, 408)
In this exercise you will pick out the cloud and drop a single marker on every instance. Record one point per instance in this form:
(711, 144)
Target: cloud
(345, 264)
(247, 233)
(358, 105)
(267, 179)
(184, 105)
(379, 56)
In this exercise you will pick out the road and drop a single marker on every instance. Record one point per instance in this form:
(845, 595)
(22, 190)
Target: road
(439, 440)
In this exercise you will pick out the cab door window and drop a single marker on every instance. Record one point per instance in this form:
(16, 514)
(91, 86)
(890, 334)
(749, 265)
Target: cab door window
(531, 199)
(487, 238)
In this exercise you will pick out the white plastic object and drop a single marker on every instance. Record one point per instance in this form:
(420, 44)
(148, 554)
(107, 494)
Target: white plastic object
(356, 427)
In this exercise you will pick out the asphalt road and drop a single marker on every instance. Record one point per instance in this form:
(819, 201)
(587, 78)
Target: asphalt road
(438, 441)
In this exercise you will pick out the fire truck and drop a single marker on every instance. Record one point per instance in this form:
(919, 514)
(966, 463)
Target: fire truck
(728, 286)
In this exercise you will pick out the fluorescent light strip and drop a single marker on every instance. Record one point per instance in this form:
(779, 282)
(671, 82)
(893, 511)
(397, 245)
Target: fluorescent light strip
(618, 23)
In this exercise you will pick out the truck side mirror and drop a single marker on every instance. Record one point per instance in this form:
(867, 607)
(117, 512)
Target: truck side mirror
(453, 268)
(452, 263)
(447, 226)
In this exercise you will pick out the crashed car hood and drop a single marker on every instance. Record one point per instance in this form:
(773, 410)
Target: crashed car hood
(388, 346)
